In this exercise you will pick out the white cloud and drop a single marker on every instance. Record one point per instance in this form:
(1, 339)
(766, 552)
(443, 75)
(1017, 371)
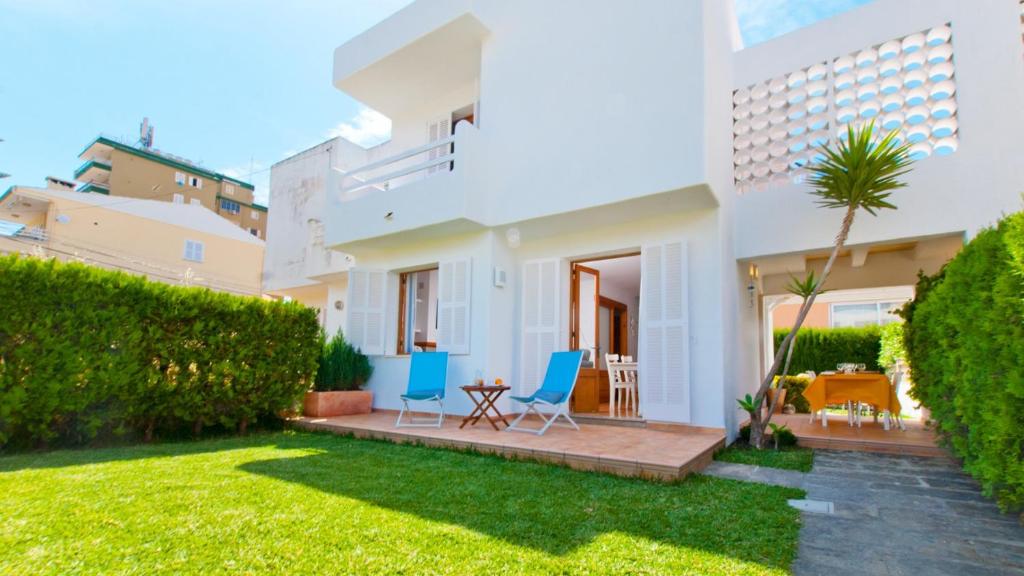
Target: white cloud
(368, 128)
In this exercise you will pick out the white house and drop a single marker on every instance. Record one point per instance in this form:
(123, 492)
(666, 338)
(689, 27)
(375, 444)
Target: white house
(625, 178)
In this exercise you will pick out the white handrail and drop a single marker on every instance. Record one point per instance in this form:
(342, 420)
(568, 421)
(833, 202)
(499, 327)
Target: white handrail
(402, 156)
(375, 181)
(400, 173)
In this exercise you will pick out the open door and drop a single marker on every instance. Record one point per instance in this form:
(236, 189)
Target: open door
(585, 334)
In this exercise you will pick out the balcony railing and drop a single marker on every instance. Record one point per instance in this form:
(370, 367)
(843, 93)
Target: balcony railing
(381, 173)
(33, 233)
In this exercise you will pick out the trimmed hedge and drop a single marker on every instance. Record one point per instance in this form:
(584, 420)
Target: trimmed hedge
(821, 349)
(965, 344)
(87, 353)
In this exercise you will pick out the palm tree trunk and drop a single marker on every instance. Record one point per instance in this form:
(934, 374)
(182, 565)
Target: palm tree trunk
(757, 424)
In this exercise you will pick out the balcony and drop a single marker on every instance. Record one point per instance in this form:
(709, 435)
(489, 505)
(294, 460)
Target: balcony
(93, 170)
(94, 187)
(419, 192)
(417, 55)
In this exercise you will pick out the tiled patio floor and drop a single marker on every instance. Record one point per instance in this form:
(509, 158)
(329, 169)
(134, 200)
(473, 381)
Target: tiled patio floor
(668, 452)
(916, 440)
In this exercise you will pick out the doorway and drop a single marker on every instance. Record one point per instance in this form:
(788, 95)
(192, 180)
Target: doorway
(603, 307)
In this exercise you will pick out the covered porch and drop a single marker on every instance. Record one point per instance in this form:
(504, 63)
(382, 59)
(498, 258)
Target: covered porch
(666, 452)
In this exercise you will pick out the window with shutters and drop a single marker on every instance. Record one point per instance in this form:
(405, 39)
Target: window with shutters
(178, 198)
(367, 293)
(664, 333)
(194, 251)
(418, 311)
(439, 129)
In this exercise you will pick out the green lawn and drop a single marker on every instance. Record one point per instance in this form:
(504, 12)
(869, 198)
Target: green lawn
(793, 458)
(318, 504)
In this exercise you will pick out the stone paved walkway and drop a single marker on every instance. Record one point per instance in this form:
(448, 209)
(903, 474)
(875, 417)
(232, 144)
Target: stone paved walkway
(896, 516)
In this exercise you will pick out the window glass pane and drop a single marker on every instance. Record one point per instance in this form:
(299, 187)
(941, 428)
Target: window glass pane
(854, 315)
(886, 312)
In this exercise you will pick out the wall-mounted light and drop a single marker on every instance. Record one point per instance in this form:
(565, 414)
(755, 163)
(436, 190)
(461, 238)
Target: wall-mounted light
(752, 275)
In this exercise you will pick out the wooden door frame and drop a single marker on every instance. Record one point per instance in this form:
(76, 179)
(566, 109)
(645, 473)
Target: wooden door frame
(615, 330)
(574, 285)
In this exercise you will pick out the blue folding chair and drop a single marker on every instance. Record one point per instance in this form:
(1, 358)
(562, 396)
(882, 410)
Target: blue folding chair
(428, 373)
(559, 382)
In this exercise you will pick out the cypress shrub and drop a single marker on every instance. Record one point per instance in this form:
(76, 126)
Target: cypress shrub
(821, 349)
(342, 366)
(964, 338)
(88, 353)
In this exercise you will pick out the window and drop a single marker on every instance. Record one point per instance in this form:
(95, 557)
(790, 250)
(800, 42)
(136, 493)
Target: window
(255, 232)
(195, 202)
(179, 178)
(178, 199)
(229, 189)
(196, 182)
(193, 251)
(255, 214)
(864, 314)
(417, 311)
(230, 206)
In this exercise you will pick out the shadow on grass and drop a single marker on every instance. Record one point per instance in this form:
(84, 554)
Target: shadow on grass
(542, 506)
(66, 457)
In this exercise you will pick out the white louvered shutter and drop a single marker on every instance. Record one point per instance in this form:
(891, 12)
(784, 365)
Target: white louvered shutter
(540, 305)
(438, 130)
(453, 311)
(367, 292)
(664, 369)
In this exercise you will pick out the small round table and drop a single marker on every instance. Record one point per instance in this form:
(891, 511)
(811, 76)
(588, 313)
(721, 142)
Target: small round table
(484, 396)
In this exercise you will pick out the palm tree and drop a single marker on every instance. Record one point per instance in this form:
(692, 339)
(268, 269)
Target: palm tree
(859, 173)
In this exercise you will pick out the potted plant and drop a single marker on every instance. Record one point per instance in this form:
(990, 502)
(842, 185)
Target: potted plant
(341, 372)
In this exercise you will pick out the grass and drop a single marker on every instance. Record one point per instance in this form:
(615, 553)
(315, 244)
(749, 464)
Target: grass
(317, 503)
(791, 458)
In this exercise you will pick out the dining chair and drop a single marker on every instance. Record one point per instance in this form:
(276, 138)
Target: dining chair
(896, 379)
(617, 384)
(633, 391)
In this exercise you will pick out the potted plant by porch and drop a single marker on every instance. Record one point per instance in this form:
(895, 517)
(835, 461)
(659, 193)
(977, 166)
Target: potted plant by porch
(342, 371)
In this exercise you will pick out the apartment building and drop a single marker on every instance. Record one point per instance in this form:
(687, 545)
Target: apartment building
(181, 244)
(628, 178)
(113, 168)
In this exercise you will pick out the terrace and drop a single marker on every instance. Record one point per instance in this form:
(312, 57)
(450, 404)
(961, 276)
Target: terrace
(666, 452)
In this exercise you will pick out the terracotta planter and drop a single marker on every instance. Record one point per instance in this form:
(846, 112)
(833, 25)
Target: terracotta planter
(338, 403)
(782, 399)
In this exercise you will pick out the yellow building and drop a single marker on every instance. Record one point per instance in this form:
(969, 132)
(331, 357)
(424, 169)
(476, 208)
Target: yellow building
(184, 244)
(115, 169)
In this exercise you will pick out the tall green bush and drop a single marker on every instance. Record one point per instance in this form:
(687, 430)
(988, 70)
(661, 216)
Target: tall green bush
(86, 352)
(342, 366)
(821, 349)
(964, 337)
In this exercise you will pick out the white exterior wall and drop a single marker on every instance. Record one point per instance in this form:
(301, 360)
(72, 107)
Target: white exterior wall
(602, 127)
(962, 192)
(298, 191)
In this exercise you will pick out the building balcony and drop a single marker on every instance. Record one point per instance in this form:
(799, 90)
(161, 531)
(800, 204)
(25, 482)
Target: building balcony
(417, 55)
(419, 192)
(93, 171)
(95, 188)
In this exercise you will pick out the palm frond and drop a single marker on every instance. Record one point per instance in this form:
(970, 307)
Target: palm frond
(803, 288)
(860, 171)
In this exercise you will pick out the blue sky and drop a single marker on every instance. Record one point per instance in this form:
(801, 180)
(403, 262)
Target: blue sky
(234, 85)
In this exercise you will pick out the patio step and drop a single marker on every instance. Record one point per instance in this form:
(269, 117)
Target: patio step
(607, 421)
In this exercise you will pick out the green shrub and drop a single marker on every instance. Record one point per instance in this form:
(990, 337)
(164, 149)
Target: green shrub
(891, 346)
(86, 352)
(795, 386)
(342, 366)
(821, 349)
(785, 437)
(964, 338)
